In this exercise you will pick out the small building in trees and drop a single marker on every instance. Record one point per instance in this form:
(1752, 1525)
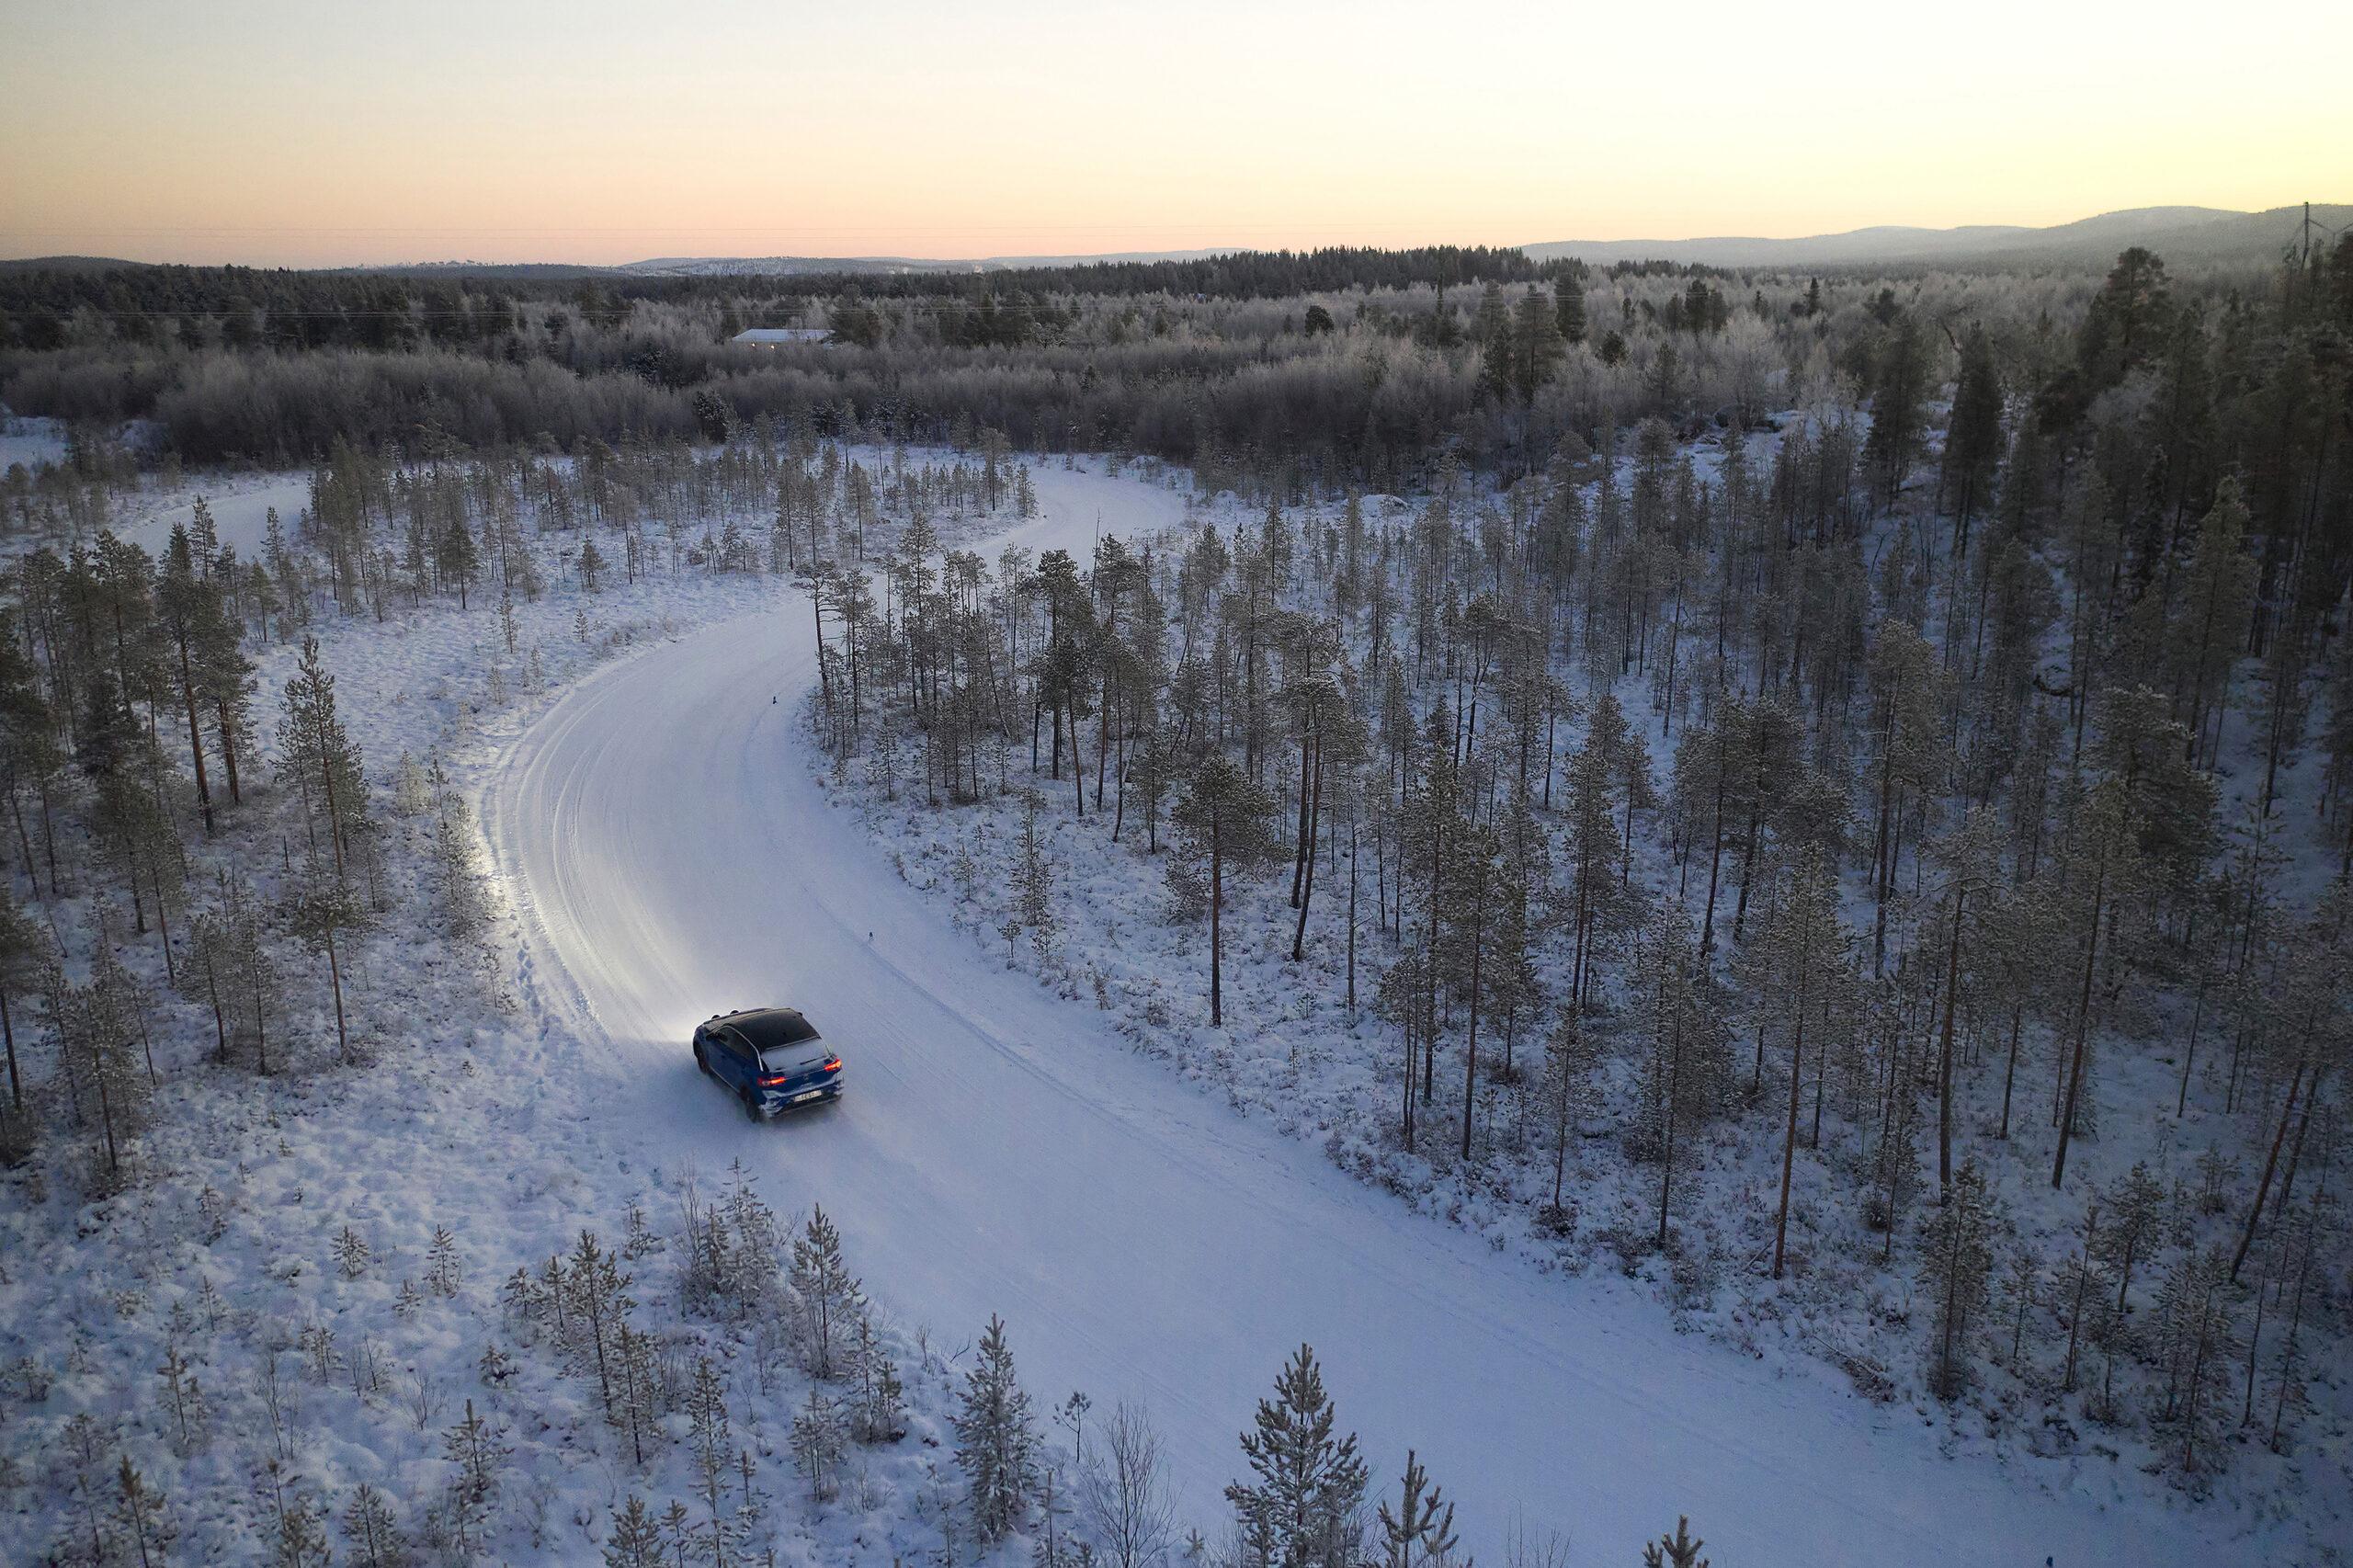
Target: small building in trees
(779, 336)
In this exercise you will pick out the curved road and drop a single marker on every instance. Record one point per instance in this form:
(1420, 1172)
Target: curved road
(998, 1150)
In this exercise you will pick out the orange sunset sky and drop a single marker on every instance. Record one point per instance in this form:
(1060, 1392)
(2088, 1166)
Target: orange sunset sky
(326, 135)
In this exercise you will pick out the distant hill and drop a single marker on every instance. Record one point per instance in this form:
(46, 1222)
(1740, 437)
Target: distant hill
(65, 264)
(2177, 233)
(2180, 234)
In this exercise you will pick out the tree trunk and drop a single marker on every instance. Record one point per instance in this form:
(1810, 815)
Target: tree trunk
(194, 740)
(1790, 1139)
(2270, 1162)
(1217, 897)
(1944, 1054)
(2082, 1027)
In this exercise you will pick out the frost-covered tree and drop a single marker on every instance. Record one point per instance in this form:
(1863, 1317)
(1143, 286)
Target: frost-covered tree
(1957, 1270)
(1124, 1495)
(1223, 816)
(1801, 955)
(826, 1295)
(1420, 1534)
(1303, 1505)
(996, 1441)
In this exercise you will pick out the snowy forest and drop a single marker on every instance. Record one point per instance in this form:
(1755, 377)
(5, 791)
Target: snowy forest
(1899, 858)
(1825, 798)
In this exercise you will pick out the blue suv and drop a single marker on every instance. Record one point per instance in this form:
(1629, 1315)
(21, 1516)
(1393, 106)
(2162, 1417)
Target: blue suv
(771, 1058)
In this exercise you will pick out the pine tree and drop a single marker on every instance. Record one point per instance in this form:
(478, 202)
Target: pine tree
(352, 1254)
(1972, 435)
(1223, 816)
(1536, 344)
(479, 1450)
(138, 1508)
(1303, 1508)
(2196, 1345)
(182, 603)
(879, 1391)
(1803, 952)
(319, 909)
(817, 1443)
(1957, 1264)
(1899, 385)
(2135, 1206)
(371, 1535)
(22, 947)
(826, 1293)
(595, 1293)
(184, 1402)
(1676, 1551)
(635, 1539)
(1683, 1066)
(996, 1442)
(1569, 309)
(711, 1440)
(1033, 884)
(464, 902)
(443, 1272)
(1420, 1534)
(317, 758)
(457, 560)
(637, 1406)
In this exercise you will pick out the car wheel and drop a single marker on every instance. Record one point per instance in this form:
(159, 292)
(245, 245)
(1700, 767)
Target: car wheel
(702, 1062)
(751, 1106)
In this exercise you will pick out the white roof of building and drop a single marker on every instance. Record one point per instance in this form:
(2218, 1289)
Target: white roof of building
(783, 334)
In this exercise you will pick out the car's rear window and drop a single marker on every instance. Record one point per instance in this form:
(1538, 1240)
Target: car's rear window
(773, 1031)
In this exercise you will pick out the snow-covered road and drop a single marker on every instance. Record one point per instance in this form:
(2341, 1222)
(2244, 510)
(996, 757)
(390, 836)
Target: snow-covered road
(999, 1151)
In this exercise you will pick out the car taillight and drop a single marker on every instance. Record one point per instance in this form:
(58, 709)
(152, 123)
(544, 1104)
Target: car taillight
(832, 1065)
(775, 1083)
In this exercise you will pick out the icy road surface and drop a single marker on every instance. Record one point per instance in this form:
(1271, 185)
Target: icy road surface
(998, 1150)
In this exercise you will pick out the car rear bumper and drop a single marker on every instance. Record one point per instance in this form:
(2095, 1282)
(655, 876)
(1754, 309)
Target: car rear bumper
(801, 1097)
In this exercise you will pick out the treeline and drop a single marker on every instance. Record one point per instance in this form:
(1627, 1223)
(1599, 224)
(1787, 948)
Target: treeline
(1361, 387)
(1861, 809)
(37, 303)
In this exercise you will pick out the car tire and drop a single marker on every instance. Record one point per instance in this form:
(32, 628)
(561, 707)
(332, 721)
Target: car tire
(751, 1106)
(702, 1062)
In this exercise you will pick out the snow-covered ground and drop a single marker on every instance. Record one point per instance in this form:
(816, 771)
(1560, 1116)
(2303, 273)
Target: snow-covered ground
(1003, 1150)
(666, 850)
(31, 441)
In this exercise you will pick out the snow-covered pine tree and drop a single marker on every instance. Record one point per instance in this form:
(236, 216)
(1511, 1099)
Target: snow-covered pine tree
(316, 756)
(138, 1510)
(1676, 1551)
(635, 1539)
(817, 1443)
(996, 1441)
(710, 1442)
(1801, 956)
(1957, 1267)
(1033, 884)
(879, 1391)
(371, 1535)
(477, 1446)
(825, 1294)
(1420, 1534)
(1303, 1506)
(1222, 818)
(2195, 1340)
(637, 1407)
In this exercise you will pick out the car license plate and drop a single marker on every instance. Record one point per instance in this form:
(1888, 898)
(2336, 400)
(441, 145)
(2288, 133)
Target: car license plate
(806, 1095)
